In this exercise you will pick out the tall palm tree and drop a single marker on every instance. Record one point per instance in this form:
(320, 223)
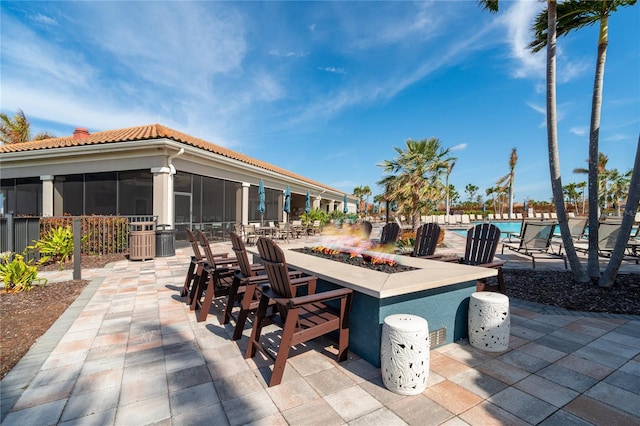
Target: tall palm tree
(573, 15)
(618, 187)
(633, 198)
(362, 192)
(552, 137)
(450, 166)
(509, 178)
(414, 177)
(18, 129)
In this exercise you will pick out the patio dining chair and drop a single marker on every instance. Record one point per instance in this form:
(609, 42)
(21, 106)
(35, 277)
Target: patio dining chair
(214, 281)
(305, 317)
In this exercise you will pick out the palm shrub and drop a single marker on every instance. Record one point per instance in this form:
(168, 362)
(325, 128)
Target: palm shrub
(56, 245)
(18, 275)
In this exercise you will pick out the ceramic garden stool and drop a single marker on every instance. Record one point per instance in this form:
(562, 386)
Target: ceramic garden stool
(489, 321)
(404, 354)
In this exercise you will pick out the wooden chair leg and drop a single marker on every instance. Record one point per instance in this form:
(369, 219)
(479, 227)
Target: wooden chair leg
(203, 311)
(198, 289)
(231, 298)
(501, 284)
(199, 275)
(245, 308)
(188, 280)
(285, 346)
(256, 331)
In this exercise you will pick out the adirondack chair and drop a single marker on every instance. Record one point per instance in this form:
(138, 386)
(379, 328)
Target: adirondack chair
(389, 233)
(244, 286)
(198, 261)
(480, 250)
(214, 281)
(426, 240)
(536, 241)
(305, 317)
(366, 228)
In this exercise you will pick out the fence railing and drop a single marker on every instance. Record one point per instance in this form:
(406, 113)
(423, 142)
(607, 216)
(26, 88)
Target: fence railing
(99, 234)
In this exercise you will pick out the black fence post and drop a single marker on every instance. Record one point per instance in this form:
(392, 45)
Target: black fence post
(77, 249)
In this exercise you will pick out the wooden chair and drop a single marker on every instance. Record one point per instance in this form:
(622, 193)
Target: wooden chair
(535, 241)
(214, 281)
(366, 227)
(426, 240)
(390, 233)
(480, 250)
(198, 261)
(305, 317)
(244, 286)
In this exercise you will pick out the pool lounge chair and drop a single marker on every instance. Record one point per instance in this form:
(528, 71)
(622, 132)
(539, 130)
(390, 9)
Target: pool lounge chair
(607, 235)
(535, 242)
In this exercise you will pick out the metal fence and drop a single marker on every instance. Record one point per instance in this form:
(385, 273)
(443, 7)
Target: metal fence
(99, 234)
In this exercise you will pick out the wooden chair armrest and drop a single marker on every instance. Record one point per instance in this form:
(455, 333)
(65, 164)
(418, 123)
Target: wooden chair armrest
(494, 264)
(449, 259)
(303, 280)
(319, 297)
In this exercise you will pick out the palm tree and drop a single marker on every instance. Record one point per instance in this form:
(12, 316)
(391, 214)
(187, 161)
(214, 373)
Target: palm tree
(573, 15)
(633, 198)
(362, 192)
(413, 178)
(618, 187)
(571, 191)
(450, 166)
(601, 179)
(552, 137)
(18, 129)
(508, 178)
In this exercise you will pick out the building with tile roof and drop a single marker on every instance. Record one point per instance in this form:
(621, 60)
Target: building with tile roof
(151, 170)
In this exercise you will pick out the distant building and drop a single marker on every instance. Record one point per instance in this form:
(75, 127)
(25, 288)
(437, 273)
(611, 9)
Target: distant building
(150, 170)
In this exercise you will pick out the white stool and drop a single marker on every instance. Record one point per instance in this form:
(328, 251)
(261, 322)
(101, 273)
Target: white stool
(489, 321)
(404, 354)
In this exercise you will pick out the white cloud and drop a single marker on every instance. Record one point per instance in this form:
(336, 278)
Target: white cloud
(579, 131)
(615, 138)
(518, 19)
(459, 147)
(333, 70)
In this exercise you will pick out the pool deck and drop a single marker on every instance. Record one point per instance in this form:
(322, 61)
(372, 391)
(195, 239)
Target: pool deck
(129, 352)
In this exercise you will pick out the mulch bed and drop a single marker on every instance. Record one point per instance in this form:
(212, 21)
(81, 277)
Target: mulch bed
(24, 317)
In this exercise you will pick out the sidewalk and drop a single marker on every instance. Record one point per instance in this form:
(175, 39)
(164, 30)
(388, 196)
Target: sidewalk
(128, 351)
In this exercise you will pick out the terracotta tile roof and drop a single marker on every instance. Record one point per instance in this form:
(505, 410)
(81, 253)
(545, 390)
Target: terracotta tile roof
(148, 132)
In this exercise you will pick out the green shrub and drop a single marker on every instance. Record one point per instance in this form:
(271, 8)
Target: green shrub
(57, 245)
(18, 275)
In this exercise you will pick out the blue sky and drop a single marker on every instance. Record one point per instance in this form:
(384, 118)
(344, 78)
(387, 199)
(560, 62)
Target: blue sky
(326, 89)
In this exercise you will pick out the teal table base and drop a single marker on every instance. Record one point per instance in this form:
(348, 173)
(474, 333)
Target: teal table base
(444, 307)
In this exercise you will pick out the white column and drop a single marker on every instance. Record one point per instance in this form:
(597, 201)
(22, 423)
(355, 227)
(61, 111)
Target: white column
(47, 195)
(245, 202)
(163, 199)
(316, 202)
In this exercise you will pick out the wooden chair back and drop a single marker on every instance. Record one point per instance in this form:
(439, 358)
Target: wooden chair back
(426, 240)
(194, 245)
(276, 267)
(482, 243)
(390, 233)
(240, 251)
(204, 245)
(366, 228)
